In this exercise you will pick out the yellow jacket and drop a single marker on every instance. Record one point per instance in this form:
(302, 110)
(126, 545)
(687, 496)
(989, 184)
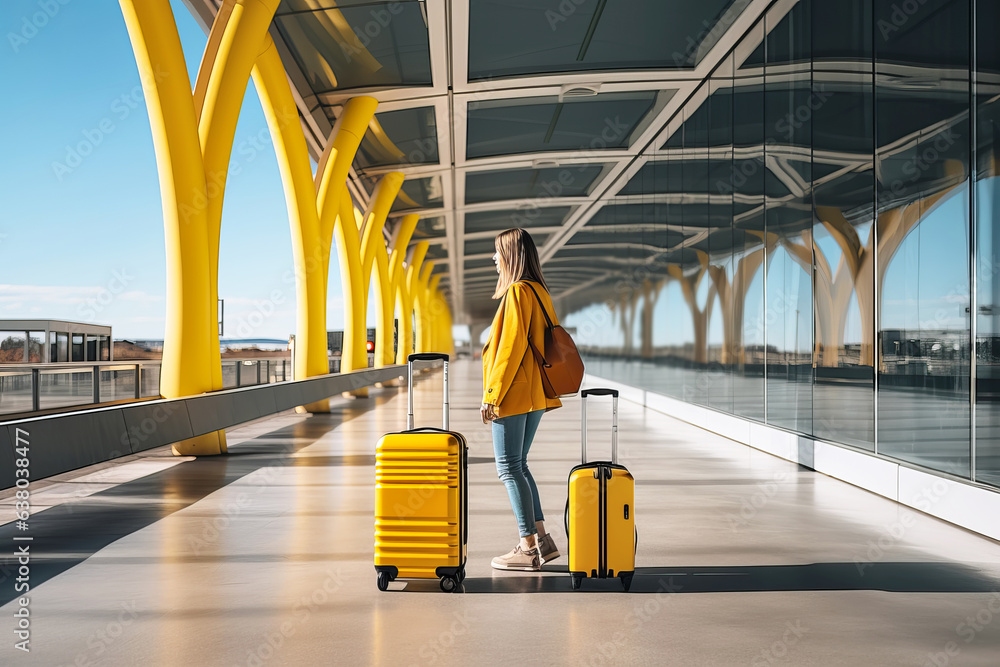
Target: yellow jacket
(512, 380)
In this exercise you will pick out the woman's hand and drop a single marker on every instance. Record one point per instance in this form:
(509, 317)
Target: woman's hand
(489, 412)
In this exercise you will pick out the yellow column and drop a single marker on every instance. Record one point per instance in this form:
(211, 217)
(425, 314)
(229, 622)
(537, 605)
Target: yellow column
(383, 307)
(310, 250)
(401, 236)
(190, 362)
(404, 306)
(421, 305)
(337, 222)
(412, 287)
(237, 37)
(447, 341)
(436, 313)
(353, 356)
(373, 252)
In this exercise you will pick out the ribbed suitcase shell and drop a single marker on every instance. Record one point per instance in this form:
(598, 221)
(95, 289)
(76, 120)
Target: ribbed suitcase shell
(594, 552)
(600, 509)
(420, 502)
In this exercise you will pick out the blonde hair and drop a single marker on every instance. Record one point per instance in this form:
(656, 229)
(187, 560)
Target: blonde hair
(518, 260)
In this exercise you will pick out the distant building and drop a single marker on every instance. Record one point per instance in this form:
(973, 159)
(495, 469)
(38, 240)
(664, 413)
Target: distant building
(53, 341)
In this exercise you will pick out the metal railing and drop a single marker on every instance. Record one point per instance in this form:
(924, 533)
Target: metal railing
(83, 436)
(26, 388)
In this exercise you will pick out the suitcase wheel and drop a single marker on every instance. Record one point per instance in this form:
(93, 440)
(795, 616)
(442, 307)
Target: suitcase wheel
(383, 581)
(626, 581)
(576, 580)
(449, 584)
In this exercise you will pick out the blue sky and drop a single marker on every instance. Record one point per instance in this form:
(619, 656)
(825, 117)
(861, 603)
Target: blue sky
(82, 235)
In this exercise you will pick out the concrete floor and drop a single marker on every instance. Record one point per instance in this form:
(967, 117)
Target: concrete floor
(264, 557)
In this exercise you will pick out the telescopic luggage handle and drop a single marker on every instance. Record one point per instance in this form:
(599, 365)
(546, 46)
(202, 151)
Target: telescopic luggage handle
(614, 420)
(424, 356)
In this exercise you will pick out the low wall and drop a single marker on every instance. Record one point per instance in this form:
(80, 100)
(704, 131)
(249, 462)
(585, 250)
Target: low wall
(67, 441)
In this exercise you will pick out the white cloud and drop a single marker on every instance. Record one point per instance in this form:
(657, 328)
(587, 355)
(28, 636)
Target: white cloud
(132, 313)
(139, 295)
(16, 295)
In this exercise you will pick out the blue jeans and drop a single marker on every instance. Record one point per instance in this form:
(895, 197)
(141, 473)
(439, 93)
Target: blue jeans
(512, 438)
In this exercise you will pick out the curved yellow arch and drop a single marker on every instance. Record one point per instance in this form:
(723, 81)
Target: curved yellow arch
(375, 257)
(349, 251)
(238, 35)
(192, 137)
(410, 317)
(401, 236)
(193, 134)
(421, 304)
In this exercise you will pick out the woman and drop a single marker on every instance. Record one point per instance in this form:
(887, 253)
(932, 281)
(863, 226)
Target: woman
(513, 396)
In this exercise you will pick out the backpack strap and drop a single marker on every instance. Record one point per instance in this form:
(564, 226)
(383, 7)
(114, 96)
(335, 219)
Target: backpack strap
(548, 320)
(539, 358)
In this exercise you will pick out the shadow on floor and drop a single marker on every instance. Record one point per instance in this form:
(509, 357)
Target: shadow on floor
(68, 534)
(895, 577)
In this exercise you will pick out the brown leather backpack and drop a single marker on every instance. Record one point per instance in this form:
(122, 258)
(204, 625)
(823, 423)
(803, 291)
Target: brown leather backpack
(561, 365)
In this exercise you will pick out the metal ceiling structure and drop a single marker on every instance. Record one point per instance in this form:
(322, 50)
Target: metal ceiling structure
(542, 115)
(503, 113)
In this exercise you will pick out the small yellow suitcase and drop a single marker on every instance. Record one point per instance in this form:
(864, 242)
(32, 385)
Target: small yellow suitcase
(421, 499)
(600, 511)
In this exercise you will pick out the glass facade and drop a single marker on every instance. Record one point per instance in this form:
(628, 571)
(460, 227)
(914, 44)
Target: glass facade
(501, 184)
(404, 137)
(505, 36)
(815, 244)
(339, 46)
(12, 347)
(986, 203)
(539, 124)
(416, 193)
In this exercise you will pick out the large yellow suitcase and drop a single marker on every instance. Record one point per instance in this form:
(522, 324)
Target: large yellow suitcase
(600, 511)
(421, 499)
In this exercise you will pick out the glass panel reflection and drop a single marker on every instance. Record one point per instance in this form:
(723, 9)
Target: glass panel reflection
(229, 374)
(843, 233)
(987, 202)
(62, 347)
(36, 343)
(504, 36)
(719, 194)
(375, 44)
(526, 216)
(430, 227)
(691, 272)
(788, 101)
(747, 290)
(537, 124)
(57, 389)
(117, 383)
(77, 349)
(922, 165)
(805, 235)
(149, 381)
(406, 136)
(15, 392)
(416, 193)
(12, 347)
(497, 184)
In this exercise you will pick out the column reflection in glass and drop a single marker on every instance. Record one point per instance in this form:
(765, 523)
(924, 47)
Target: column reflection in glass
(922, 167)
